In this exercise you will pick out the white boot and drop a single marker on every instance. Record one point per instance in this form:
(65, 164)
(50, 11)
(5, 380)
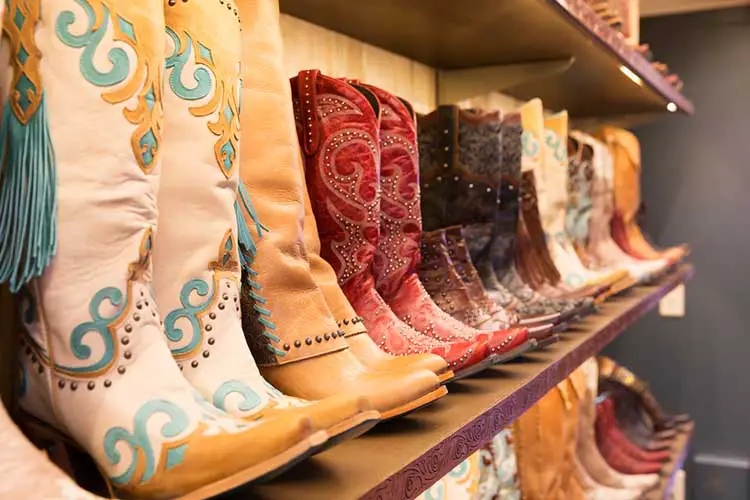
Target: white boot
(94, 362)
(196, 259)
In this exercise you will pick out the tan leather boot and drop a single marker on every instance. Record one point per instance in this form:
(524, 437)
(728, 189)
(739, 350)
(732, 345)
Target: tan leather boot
(543, 435)
(300, 350)
(626, 152)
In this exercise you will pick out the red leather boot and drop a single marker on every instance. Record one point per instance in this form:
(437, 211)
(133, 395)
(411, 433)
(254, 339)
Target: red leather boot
(398, 253)
(607, 431)
(338, 127)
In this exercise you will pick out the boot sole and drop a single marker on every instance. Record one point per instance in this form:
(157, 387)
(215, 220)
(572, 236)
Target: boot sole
(446, 376)
(552, 339)
(474, 369)
(350, 428)
(259, 473)
(522, 349)
(415, 405)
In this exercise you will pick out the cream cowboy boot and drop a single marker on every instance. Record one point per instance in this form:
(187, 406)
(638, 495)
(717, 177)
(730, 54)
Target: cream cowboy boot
(95, 368)
(196, 260)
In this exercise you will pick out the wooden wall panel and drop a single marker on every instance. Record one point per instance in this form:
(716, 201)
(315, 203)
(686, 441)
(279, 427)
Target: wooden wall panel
(308, 46)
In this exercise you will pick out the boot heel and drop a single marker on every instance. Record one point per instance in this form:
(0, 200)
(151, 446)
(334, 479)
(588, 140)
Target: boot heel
(67, 455)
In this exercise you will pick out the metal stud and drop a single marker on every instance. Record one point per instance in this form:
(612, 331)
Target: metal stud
(107, 383)
(91, 385)
(127, 354)
(211, 341)
(121, 370)
(194, 364)
(73, 386)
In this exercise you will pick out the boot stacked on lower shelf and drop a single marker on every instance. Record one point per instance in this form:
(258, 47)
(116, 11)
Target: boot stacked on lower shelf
(599, 435)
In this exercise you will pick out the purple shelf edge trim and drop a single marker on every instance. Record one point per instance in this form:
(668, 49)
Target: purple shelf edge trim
(413, 479)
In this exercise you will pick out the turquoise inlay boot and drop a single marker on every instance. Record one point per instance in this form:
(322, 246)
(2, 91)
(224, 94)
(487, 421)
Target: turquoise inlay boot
(196, 256)
(94, 363)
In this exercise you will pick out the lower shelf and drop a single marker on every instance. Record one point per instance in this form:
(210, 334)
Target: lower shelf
(398, 460)
(679, 455)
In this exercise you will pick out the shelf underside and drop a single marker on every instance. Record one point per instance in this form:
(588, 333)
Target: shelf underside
(400, 459)
(451, 35)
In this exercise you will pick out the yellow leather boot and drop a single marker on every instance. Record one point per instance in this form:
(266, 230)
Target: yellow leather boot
(298, 346)
(545, 438)
(626, 153)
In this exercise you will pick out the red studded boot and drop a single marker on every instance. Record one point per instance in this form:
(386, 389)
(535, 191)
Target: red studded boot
(338, 127)
(398, 254)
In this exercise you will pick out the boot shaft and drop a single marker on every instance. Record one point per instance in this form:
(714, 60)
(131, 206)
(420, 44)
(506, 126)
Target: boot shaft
(270, 169)
(580, 180)
(338, 128)
(398, 252)
(504, 247)
(460, 153)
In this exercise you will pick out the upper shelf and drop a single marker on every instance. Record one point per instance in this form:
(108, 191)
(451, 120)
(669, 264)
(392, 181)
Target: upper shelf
(399, 459)
(450, 35)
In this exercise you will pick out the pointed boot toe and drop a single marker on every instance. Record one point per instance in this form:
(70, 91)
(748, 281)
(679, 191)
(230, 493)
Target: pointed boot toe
(341, 416)
(208, 463)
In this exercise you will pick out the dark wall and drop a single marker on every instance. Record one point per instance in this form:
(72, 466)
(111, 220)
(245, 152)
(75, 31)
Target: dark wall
(696, 185)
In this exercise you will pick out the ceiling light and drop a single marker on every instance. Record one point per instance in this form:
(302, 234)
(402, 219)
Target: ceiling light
(629, 73)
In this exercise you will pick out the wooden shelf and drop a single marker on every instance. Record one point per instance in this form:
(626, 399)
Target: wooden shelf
(476, 34)
(399, 459)
(679, 456)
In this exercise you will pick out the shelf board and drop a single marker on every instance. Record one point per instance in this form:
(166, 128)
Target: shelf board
(399, 459)
(450, 35)
(679, 456)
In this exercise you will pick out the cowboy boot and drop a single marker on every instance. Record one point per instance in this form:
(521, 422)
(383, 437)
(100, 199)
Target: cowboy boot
(546, 226)
(459, 255)
(96, 372)
(626, 153)
(196, 261)
(445, 286)
(600, 242)
(353, 325)
(26, 471)
(609, 370)
(500, 477)
(291, 331)
(588, 453)
(396, 262)
(578, 214)
(349, 225)
(505, 254)
(606, 425)
(455, 148)
(535, 264)
(555, 172)
(544, 437)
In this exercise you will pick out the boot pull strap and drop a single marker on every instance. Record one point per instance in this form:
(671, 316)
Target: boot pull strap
(307, 90)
